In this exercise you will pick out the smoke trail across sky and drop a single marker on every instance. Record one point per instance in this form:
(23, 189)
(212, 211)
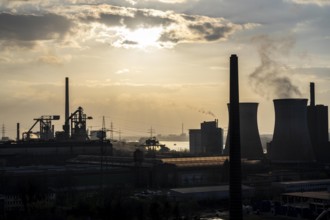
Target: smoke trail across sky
(270, 78)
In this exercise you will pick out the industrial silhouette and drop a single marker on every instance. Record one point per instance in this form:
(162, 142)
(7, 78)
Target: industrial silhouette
(317, 116)
(291, 141)
(208, 140)
(73, 140)
(251, 147)
(235, 178)
(130, 179)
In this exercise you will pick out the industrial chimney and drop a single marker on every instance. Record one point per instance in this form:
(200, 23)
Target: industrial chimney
(235, 178)
(251, 147)
(291, 140)
(17, 132)
(66, 126)
(312, 94)
(318, 127)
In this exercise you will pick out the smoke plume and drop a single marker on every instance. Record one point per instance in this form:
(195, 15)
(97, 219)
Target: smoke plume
(201, 110)
(270, 79)
(205, 112)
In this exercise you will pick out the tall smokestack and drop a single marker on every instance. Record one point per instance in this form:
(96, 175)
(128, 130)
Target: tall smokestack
(67, 111)
(18, 131)
(312, 94)
(235, 185)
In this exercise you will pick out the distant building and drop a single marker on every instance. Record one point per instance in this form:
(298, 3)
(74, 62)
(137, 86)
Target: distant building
(317, 116)
(195, 141)
(318, 130)
(208, 139)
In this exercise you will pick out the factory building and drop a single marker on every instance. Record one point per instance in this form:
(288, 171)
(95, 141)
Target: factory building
(207, 140)
(195, 141)
(304, 185)
(318, 127)
(251, 147)
(305, 205)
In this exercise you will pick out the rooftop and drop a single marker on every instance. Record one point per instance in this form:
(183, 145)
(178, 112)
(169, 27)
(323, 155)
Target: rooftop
(322, 181)
(195, 161)
(206, 189)
(323, 195)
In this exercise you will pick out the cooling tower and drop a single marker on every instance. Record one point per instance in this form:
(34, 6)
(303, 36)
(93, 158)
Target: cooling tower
(291, 140)
(251, 147)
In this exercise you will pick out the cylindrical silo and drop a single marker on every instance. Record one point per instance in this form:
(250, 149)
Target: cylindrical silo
(251, 147)
(291, 140)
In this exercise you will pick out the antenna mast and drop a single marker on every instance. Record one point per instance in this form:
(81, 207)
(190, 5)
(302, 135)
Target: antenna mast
(3, 131)
(151, 130)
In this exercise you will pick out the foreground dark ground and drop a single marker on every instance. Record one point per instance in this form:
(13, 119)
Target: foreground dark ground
(123, 203)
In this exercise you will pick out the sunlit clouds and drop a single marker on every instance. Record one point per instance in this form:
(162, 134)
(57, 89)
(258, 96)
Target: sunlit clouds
(140, 38)
(141, 28)
(116, 26)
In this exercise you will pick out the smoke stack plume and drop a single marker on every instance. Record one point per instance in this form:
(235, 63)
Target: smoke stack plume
(269, 78)
(201, 110)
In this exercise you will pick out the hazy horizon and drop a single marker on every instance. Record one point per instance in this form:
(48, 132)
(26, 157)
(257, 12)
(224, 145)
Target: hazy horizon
(158, 63)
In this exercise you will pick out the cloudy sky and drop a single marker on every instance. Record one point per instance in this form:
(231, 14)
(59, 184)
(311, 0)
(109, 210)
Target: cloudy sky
(158, 63)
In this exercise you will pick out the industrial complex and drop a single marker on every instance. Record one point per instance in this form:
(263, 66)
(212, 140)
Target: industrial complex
(291, 178)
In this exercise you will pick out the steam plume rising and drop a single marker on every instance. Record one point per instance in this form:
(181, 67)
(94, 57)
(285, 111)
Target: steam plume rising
(268, 79)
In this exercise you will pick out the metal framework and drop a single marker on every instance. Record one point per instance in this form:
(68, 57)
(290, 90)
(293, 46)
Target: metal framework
(46, 130)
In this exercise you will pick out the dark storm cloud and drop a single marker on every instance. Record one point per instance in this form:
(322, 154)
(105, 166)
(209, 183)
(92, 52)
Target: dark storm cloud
(271, 78)
(25, 29)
